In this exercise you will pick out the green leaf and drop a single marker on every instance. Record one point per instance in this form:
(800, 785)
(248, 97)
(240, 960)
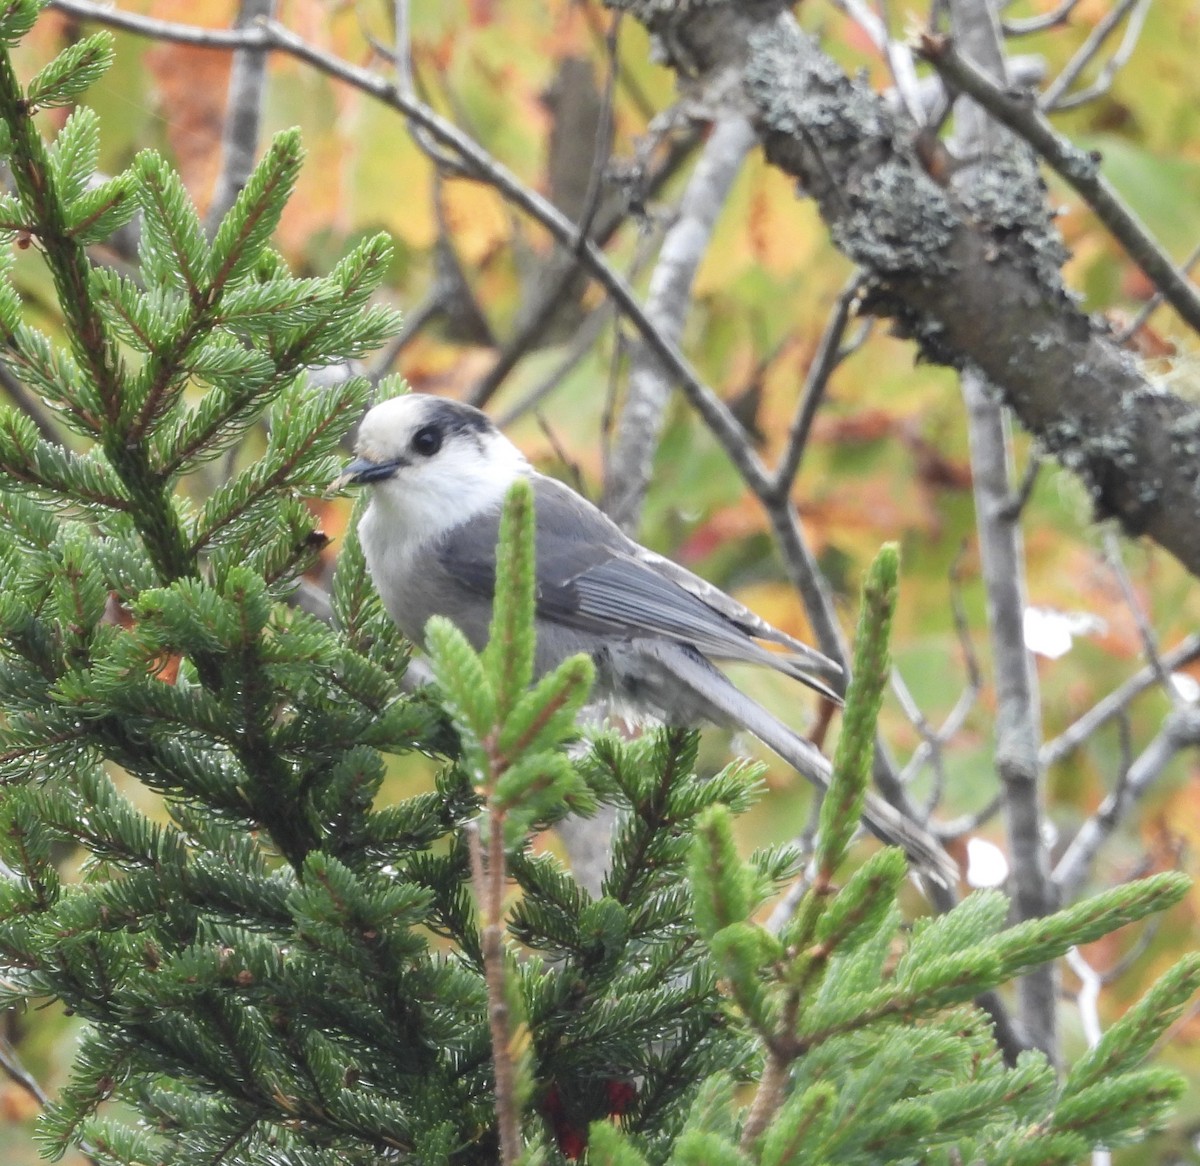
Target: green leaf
(546, 715)
(799, 1128)
(16, 18)
(697, 1148)
(94, 215)
(1121, 1108)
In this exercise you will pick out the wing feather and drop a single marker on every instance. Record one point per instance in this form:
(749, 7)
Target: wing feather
(592, 578)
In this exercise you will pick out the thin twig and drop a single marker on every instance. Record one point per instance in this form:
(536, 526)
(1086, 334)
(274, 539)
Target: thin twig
(1114, 704)
(1180, 730)
(1146, 936)
(415, 320)
(1112, 555)
(807, 842)
(1002, 559)
(1016, 504)
(28, 404)
(481, 165)
(813, 588)
(555, 287)
(969, 823)
(1080, 170)
(826, 359)
(956, 718)
(1053, 98)
(897, 55)
(1051, 19)
(402, 60)
(604, 136)
(639, 426)
(1148, 308)
(1088, 997)
(580, 346)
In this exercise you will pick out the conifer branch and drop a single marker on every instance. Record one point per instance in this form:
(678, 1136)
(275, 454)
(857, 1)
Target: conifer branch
(92, 344)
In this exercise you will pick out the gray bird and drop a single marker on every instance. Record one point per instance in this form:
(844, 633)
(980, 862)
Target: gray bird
(440, 471)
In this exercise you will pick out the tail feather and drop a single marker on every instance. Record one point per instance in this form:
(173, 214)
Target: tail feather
(724, 704)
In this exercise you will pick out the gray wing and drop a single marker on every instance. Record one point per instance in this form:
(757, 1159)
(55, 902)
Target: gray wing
(594, 579)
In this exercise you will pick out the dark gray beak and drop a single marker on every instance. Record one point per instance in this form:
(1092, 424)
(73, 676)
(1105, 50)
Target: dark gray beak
(362, 471)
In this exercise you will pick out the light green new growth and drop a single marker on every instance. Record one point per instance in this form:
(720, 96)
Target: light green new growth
(511, 638)
(842, 807)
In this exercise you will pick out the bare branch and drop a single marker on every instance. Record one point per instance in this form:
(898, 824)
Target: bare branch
(969, 823)
(826, 359)
(639, 426)
(813, 588)
(402, 58)
(580, 345)
(932, 747)
(556, 284)
(982, 304)
(1088, 996)
(1002, 556)
(1114, 704)
(1180, 730)
(897, 54)
(1112, 555)
(1155, 301)
(11, 1066)
(783, 911)
(1055, 96)
(16, 1072)
(1024, 71)
(243, 115)
(1017, 502)
(1018, 722)
(29, 404)
(415, 319)
(1051, 19)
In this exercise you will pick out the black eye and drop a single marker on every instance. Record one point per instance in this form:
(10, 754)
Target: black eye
(427, 440)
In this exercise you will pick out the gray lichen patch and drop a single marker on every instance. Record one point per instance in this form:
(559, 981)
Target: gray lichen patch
(1185, 438)
(1006, 196)
(1110, 462)
(798, 91)
(898, 221)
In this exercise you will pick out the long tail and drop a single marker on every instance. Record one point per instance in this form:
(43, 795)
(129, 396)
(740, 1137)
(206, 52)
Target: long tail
(726, 705)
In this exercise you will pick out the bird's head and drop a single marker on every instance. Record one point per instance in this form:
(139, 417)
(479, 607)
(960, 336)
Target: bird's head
(433, 460)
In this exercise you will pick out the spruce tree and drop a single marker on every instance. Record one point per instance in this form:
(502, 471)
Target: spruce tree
(281, 967)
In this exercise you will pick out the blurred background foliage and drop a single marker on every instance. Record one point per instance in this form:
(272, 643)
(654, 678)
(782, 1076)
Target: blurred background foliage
(888, 456)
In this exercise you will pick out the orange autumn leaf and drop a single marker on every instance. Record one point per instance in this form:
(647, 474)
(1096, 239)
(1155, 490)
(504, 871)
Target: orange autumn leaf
(476, 218)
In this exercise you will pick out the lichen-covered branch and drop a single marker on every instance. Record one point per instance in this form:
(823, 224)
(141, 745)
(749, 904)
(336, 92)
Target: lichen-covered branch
(973, 279)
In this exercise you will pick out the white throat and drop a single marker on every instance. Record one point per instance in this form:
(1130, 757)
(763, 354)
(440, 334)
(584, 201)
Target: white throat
(422, 503)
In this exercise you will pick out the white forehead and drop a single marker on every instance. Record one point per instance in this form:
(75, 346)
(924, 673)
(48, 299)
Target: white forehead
(386, 429)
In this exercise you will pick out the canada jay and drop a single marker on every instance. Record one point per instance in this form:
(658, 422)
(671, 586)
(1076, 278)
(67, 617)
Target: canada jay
(439, 472)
